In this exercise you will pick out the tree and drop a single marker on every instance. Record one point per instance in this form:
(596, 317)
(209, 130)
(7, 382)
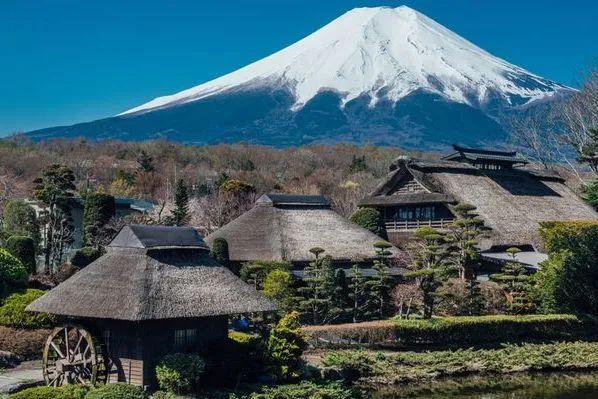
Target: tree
(590, 193)
(318, 290)
(99, 208)
(580, 114)
(180, 213)
(369, 218)
(255, 272)
(53, 190)
(464, 233)
(19, 219)
(515, 281)
(429, 264)
(286, 344)
(380, 284)
(358, 164)
(278, 286)
(23, 248)
(219, 251)
(145, 162)
(357, 293)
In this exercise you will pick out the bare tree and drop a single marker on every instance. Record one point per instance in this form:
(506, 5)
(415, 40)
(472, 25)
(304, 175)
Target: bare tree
(580, 115)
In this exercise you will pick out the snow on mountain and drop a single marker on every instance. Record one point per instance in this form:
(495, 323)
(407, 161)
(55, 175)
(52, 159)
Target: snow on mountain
(383, 53)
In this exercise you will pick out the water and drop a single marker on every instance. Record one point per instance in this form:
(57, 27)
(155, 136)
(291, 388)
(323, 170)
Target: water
(528, 386)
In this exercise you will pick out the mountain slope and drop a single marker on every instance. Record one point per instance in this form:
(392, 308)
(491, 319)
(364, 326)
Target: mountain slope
(374, 75)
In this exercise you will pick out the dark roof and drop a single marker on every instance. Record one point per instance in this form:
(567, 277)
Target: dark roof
(477, 154)
(407, 199)
(293, 200)
(131, 283)
(134, 203)
(146, 236)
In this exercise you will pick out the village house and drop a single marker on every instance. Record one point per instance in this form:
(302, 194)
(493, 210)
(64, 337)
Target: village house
(155, 291)
(511, 199)
(285, 227)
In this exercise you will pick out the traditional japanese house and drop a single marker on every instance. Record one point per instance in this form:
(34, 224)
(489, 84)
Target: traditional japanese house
(155, 291)
(511, 198)
(285, 227)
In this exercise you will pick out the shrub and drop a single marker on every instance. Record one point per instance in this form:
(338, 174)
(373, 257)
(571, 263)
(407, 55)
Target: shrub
(116, 391)
(13, 314)
(286, 345)
(179, 372)
(464, 330)
(247, 350)
(219, 250)
(278, 287)
(307, 390)
(85, 256)
(64, 272)
(62, 392)
(27, 344)
(19, 219)
(454, 293)
(23, 248)
(369, 218)
(568, 280)
(12, 271)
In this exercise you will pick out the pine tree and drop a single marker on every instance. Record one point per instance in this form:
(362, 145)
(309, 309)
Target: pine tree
(516, 282)
(464, 234)
(429, 263)
(380, 284)
(180, 213)
(145, 163)
(315, 303)
(357, 293)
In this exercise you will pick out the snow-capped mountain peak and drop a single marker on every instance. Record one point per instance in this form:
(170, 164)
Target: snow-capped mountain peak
(380, 53)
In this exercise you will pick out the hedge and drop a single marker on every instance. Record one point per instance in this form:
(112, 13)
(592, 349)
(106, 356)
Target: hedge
(23, 248)
(110, 391)
(27, 344)
(450, 330)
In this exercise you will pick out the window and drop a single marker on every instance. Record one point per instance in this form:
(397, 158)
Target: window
(415, 213)
(185, 339)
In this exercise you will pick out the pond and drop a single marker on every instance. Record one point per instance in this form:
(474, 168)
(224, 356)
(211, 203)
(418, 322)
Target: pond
(524, 386)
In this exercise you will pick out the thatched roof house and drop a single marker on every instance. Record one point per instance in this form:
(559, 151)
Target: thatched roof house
(155, 290)
(286, 227)
(512, 200)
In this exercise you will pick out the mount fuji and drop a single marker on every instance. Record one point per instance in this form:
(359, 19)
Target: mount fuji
(384, 76)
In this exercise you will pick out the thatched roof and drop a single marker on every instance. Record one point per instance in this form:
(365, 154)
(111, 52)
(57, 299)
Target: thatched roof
(482, 155)
(145, 276)
(512, 202)
(273, 230)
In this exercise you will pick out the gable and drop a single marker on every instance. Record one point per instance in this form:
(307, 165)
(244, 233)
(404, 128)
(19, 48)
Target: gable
(407, 185)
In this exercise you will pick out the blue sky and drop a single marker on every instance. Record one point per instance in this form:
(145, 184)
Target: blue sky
(68, 61)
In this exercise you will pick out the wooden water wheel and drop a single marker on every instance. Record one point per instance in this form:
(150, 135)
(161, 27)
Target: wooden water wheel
(72, 357)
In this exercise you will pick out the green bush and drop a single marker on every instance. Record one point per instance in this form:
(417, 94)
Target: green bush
(461, 330)
(85, 256)
(12, 271)
(19, 219)
(116, 391)
(306, 390)
(63, 392)
(219, 250)
(483, 329)
(179, 372)
(13, 314)
(23, 248)
(568, 280)
(286, 345)
(369, 218)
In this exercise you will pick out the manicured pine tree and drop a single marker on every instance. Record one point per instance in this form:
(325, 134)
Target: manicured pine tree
(315, 302)
(357, 293)
(429, 264)
(516, 282)
(380, 285)
(99, 208)
(464, 234)
(180, 213)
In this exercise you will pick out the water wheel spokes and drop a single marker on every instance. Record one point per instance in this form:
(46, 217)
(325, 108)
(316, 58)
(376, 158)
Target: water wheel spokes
(70, 357)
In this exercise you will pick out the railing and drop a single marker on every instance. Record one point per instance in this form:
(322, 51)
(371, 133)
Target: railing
(416, 224)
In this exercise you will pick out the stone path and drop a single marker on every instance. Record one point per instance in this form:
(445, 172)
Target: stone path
(25, 375)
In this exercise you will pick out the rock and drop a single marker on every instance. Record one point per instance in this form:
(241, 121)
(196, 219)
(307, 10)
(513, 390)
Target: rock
(9, 360)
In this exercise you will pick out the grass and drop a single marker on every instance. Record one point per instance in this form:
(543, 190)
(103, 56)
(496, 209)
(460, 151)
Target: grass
(399, 367)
